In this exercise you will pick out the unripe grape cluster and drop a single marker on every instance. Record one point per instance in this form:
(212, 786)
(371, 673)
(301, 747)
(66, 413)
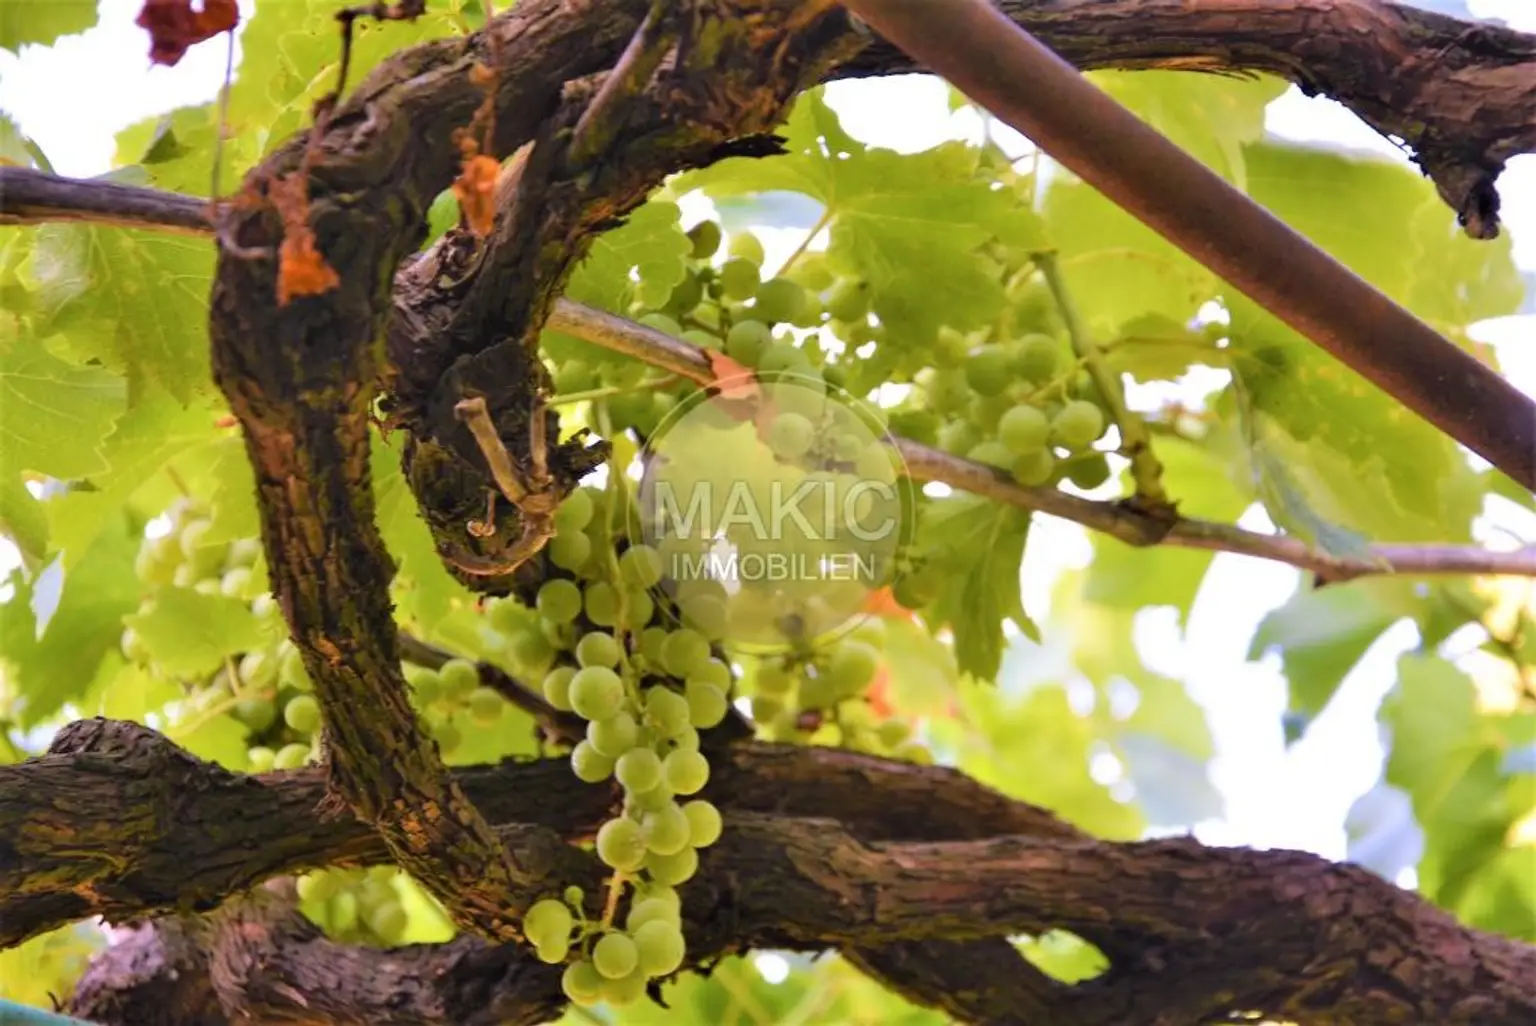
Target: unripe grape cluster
(356, 906)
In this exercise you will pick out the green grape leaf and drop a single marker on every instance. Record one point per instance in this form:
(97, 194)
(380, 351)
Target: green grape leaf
(1502, 896)
(923, 672)
(652, 242)
(54, 416)
(234, 510)
(22, 520)
(124, 691)
(980, 545)
(175, 150)
(1064, 956)
(1153, 347)
(153, 320)
(60, 664)
(1323, 632)
(221, 739)
(1448, 761)
(189, 634)
(16, 150)
(911, 223)
(147, 440)
(1206, 116)
(1374, 467)
(1124, 576)
(1036, 749)
(31, 22)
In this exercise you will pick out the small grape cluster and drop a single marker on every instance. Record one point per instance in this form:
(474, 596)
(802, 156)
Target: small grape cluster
(453, 690)
(640, 665)
(826, 697)
(356, 906)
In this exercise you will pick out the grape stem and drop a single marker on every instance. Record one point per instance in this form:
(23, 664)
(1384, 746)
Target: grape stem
(1135, 439)
(822, 222)
(612, 390)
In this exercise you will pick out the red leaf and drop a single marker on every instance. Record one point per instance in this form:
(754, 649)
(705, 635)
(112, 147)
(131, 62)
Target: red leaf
(301, 269)
(475, 189)
(732, 380)
(174, 26)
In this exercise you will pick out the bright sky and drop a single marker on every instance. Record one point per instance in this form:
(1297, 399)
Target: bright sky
(74, 97)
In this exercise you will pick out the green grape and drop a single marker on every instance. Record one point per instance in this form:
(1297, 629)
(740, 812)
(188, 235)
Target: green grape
(460, 677)
(673, 870)
(557, 687)
(700, 338)
(790, 436)
(811, 270)
(582, 983)
(705, 238)
(713, 672)
(654, 799)
(667, 895)
(596, 693)
(686, 739)
(261, 758)
(290, 757)
(258, 670)
(559, 600)
(686, 295)
(959, 437)
(1089, 473)
(914, 753)
(872, 632)
(447, 736)
(653, 641)
(388, 921)
(704, 823)
(892, 733)
(342, 912)
(638, 770)
(243, 552)
(986, 411)
(652, 909)
(640, 566)
(853, 666)
(302, 713)
(662, 323)
(621, 844)
(602, 603)
(589, 765)
(667, 830)
(707, 705)
(1077, 425)
(992, 454)
(1024, 430)
(1035, 358)
(707, 614)
(614, 736)
(623, 373)
(781, 300)
(660, 947)
(626, 990)
(817, 692)
(207, 586)
(573, 896)
(685, 772)
(548, 922)
(570, 550)
(553, 954)
(256, 713)
(950, 348)
(597, 648)
(772, 679)
(574, 376)
(666, 712)
(575, 513)
(849, 300)
(746, 341)
(987, 370)
(783, 357)
(745, 246)
(486, 706)
(684, 650)
(236, 582)
(739, 279)
(318, 887)
(1034, 469)
(639, 608)
(185, 576)
(264, 607)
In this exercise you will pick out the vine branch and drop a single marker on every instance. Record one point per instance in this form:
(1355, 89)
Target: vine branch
(1127, 524)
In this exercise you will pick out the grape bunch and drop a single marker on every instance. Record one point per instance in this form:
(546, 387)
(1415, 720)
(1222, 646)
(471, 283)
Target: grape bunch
(356, 906)
(830, 696)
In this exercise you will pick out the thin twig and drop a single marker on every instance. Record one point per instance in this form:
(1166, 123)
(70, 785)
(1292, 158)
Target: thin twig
(1135, 440)
(557, 725)
(604, 117)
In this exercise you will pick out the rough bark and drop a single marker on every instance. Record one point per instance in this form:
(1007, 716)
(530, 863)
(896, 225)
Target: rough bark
(808, 861)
